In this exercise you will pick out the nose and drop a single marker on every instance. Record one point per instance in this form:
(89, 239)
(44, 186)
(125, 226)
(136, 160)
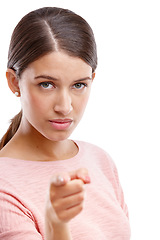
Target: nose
(63, 103)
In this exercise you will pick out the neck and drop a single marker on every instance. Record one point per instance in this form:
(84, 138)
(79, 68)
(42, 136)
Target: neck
(29, 144)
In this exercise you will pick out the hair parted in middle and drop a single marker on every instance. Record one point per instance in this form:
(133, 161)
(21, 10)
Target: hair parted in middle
(47, 30)
(43, 31)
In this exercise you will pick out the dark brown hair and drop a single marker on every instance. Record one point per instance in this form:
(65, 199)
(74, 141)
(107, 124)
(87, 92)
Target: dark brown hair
(43, 31)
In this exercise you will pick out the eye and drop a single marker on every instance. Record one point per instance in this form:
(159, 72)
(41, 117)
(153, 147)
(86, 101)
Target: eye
(46, 85)
(80, 85)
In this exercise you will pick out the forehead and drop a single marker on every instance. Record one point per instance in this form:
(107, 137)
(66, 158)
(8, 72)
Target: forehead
(59, 65)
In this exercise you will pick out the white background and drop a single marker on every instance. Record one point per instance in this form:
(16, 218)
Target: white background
(123, 112)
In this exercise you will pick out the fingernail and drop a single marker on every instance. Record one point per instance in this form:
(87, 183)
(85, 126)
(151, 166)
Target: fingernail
(59, 180)
(87, 179)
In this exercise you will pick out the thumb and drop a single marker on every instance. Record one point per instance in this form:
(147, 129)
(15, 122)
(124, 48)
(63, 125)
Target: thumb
(81, 173)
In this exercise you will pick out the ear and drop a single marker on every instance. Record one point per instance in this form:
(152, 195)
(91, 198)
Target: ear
(93, 75)
(12, 79)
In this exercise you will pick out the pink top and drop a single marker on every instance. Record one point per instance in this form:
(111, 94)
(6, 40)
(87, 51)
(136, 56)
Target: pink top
(24, 185)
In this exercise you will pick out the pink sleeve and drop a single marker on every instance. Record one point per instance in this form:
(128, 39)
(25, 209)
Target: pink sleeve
(112, 174)
(16, 221)
(120, 194)
(119, 191)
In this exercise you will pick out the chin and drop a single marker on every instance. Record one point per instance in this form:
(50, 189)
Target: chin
(59, 137)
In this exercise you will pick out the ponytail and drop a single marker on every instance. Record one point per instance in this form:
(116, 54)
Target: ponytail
(44, 31)
(15, 122)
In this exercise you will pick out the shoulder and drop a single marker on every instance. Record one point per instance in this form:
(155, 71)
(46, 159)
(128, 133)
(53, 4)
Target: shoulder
(7, 171)
(13, 170)
(99, 160)
(98, 153)
(89, 146)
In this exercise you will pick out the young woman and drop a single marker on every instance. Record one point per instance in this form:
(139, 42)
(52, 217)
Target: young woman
(52, 187)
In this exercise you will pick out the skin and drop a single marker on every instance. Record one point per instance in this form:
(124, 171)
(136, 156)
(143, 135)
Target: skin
(64, 97)
(56, 86)
(65, 201)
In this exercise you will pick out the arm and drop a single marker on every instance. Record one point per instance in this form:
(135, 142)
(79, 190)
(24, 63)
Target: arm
(16, 218)
(64, 202)
(57, 232)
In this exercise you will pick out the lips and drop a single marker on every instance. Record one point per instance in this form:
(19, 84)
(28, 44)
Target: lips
(61, 124)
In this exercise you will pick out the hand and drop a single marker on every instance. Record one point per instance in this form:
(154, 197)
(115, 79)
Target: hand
(66, 196)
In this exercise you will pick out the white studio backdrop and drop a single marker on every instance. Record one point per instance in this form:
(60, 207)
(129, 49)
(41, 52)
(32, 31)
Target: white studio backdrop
(123, 111)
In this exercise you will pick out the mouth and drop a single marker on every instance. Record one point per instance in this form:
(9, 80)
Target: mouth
(61, 124)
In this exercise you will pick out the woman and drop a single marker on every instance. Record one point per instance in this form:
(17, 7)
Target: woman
(51, 66)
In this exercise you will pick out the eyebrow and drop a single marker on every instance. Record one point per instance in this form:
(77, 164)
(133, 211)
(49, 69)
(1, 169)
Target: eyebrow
(55, 79)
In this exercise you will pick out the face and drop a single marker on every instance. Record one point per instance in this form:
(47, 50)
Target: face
(54, 93)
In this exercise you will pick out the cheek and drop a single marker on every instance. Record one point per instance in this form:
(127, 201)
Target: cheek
(33, 103)
(81, 104)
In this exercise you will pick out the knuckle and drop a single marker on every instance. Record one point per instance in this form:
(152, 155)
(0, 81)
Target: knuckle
(79, 185)
(53, 199)
(80, 208)
(57, 206)
(80, 197)
(63, 217)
